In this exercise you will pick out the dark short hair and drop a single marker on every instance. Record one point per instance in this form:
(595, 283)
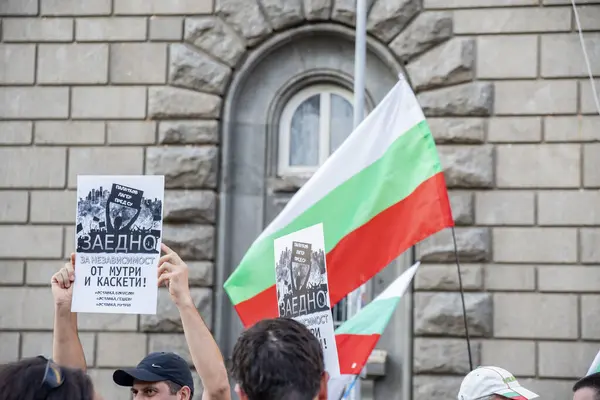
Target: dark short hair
(23, 380)
(173, 387)
(278, 359)
(591, 381)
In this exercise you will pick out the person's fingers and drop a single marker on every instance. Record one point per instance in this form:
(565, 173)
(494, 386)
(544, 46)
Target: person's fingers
(175, 259)
(73, 260)
(54, 278)
(166, 249)
(165, 267)
(164, 278)
(70, 271)
(165, 258)
(172, 258)
(66, 276)
(61, 278)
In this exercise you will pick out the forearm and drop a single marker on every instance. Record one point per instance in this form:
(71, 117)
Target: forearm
(205, 353)
(66, 347)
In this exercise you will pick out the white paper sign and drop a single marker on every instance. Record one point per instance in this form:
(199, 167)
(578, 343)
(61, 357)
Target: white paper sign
(117, 241)
(303, 290)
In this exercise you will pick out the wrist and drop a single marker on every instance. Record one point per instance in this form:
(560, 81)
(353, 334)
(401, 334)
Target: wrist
(62, 308)
(185, 301)
(62, 314)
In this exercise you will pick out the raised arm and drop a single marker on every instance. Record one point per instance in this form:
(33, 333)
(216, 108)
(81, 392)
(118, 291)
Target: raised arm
(66, 347)
(207, 357)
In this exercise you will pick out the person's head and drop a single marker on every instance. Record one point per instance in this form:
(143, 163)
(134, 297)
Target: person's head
(40, 378)
(160, 376)
(492, 383)
(587, 388)
(279, 359)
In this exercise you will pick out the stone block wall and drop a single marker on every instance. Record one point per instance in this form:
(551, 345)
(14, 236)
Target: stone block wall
(523, 180)
(108, 86)
(80, 81)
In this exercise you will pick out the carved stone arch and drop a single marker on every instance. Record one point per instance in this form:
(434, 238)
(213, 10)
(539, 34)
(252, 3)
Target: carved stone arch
(255, 94)
(207, 71)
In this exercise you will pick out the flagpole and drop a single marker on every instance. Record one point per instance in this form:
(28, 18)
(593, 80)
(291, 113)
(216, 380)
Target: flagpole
(360, 54)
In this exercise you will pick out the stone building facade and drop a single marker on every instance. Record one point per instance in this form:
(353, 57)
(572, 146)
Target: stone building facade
(214, 96)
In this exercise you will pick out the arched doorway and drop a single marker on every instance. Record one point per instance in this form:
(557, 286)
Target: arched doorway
(288, 107)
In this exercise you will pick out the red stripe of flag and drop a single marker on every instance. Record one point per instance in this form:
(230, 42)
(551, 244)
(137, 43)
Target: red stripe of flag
(370, 248)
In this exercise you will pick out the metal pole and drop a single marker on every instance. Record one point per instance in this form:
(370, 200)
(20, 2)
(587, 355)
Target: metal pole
(360, 55)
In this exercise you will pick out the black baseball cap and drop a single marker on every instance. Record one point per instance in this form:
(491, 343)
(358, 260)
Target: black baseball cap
(157, 367)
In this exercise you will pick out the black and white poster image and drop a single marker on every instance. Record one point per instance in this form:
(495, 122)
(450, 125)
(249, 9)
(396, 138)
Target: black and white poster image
(302, 287)
(118, 238)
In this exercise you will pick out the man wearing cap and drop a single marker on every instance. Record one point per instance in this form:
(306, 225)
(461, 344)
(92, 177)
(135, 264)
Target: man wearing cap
(157, 372)
(492, 383)
(160, 376)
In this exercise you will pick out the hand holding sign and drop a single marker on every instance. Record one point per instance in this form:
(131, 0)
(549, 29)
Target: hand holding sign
(173, 273)
(118, 235)
(62, 283)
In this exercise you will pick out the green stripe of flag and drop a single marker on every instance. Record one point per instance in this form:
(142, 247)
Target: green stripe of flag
(408, 162)
(372, 319)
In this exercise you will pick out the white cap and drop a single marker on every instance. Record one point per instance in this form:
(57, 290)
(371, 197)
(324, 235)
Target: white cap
(486, 381)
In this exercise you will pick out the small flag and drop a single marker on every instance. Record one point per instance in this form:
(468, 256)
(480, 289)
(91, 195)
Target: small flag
(381, 192)
(357, 337)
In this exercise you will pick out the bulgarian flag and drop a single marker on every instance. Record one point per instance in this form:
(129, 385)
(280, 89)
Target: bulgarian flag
(357, 337)
(379, 194)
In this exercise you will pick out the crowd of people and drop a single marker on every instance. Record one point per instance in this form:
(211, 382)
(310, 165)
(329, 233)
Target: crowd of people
(276, 359)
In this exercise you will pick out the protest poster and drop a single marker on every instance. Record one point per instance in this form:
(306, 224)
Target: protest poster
(117, 241)
(302, 287)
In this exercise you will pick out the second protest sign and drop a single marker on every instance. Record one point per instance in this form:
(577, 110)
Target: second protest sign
(302, 287)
